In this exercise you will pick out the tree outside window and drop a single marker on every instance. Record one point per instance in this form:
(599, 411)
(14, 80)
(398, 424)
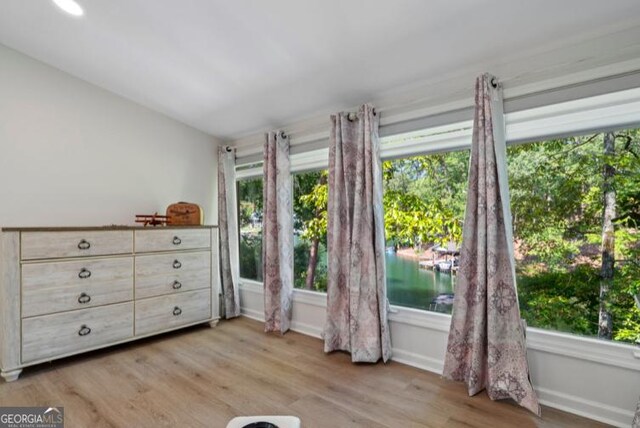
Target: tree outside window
(250, 227)
(310, 199)
(576, 210)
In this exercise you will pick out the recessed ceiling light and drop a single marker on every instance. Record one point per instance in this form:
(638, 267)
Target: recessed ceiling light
(70, 6)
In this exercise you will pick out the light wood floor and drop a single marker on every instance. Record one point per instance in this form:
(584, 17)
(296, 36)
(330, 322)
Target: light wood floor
(205, 377)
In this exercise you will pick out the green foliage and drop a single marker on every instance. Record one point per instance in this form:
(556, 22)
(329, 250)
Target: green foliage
(251, 256)
(557, 204)
(424, 198)
(551, 247)
(301, 262)
(250, 215)
(312, 206)
(626, 296)
(250, 199)
(560, 300)
(310, 199)
(627, 323)
(406, 219)
(555, 185)
(628, 178)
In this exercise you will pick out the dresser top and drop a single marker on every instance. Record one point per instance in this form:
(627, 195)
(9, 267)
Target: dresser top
(109, 227)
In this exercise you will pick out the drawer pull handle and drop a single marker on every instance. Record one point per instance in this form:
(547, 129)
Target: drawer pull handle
(177, 285)
(84, 273)
(84, 298)
(177, 240)
(84, 244)
(177, 264)
(84, 330)
(177, 311)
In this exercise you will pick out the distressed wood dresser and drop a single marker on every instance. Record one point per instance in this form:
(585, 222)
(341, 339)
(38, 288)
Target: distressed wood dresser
(64, 291)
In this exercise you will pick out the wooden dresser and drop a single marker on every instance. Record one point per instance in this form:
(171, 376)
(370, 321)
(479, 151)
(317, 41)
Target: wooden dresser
(64, 291)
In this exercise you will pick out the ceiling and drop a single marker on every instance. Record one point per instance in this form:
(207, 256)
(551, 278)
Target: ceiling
(232, 68)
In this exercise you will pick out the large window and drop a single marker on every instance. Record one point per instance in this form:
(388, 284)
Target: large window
(576, 215)
(250, 225)
(576, 211)
(310, 230)
(424, 202)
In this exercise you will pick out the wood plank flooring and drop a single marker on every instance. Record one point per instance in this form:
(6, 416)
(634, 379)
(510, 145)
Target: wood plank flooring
(205, 377)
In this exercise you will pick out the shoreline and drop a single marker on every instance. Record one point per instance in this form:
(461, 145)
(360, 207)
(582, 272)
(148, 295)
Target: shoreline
(410, 253)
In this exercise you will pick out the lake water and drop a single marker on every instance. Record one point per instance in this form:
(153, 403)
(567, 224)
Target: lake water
(408, 285)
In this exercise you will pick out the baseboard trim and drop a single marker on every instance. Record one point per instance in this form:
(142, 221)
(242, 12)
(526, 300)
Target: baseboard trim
(306, 329)
(253, 314)
(589, 409)
(298, 327)
(433, 365)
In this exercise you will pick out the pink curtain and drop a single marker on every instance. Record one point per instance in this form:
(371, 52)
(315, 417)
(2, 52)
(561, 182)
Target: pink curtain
(636, 419)
(277, 234)
(356, 290)
(228, 227)
(486, 347)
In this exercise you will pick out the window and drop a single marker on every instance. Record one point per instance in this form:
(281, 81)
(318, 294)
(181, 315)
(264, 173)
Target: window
(310, 230)
(424, 202)
(561, 190)
(250, 225)
(309, 223)
(566, 194)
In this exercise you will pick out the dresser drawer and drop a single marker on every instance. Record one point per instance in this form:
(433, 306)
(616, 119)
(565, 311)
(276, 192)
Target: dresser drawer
(69, 297)
(63, 286)
(174, 263)
(149, 286)
(166, 312)
(51, 245)
(50, 336)
(171, 239)
(76, 272)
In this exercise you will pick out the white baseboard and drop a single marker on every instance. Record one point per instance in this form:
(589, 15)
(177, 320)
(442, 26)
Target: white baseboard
(297, 326)
(434, 365)
(307, 329)
(589, 409)
(253, 314)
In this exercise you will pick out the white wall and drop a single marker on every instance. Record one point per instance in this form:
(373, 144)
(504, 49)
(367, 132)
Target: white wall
(596, 379)
(74, 154)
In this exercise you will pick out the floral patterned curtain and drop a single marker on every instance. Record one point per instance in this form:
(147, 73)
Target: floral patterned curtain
(228, 228)
(356, 290)
(486, 347)
(636, 419)
(277, 233)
